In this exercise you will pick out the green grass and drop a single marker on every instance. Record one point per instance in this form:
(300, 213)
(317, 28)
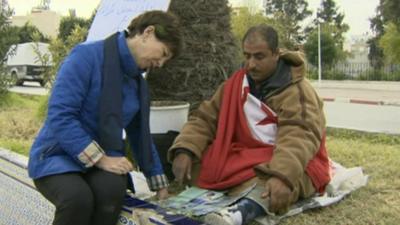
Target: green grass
(19, 121)
(377, 154)
(13, 100)
(379, 201)
(20, 146)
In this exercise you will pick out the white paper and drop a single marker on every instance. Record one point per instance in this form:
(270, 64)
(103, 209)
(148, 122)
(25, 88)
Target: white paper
(115, 15)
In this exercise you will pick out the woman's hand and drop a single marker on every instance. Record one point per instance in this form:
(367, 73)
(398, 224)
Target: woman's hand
(162, 194)
(117, 165)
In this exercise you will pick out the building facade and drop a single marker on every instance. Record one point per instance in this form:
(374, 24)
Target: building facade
(46, 21)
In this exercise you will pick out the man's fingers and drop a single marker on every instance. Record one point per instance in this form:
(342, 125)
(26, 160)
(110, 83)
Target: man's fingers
(278, 207)
(182, 168)
(267, 192)
(178, 173)
(279, 195)
(179, 178)
(273, 204)
(189, 172)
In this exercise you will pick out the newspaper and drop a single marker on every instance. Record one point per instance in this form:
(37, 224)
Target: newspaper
(189, 206)
(142, 212)
(344, 181)
(198, 202)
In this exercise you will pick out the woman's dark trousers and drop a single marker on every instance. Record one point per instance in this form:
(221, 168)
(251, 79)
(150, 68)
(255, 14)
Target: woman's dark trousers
(91, 198)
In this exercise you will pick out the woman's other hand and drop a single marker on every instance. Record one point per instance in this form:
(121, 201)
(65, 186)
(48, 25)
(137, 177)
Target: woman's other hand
(162, 194)
(117, 165)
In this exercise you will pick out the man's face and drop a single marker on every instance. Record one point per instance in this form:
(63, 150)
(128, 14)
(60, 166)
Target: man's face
(260, 61)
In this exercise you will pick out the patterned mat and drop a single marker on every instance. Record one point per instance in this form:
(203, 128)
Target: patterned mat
(20, 203)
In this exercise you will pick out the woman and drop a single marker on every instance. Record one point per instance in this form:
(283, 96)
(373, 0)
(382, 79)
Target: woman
(77, 160)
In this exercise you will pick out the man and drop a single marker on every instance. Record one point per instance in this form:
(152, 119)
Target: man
(265, 125)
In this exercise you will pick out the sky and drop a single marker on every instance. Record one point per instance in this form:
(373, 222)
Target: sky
(84, 8)
(357, 12)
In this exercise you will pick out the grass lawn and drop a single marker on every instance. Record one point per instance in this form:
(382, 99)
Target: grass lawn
(379, 201)
(378, 154)
(19, 121)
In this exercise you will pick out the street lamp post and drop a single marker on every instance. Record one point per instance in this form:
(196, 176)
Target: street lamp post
(319, 52)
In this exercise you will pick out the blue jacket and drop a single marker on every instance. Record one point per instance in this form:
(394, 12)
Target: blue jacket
(72, 120)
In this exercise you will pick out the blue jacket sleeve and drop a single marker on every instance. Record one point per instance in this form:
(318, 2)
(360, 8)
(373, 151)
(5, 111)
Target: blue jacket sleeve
(67, 97)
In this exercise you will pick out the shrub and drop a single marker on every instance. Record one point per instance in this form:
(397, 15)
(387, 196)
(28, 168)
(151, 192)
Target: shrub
(312, 72)
(209, 56)
(333, 75)
(371, 75)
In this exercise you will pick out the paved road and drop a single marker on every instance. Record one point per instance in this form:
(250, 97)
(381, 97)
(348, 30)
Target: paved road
(380, 92)
(31, 88)
(364, 117)
(382, 118)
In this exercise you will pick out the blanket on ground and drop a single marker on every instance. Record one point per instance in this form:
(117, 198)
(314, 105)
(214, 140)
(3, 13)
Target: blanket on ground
(16, 189)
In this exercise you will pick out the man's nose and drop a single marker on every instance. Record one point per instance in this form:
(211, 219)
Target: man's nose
(251, 64)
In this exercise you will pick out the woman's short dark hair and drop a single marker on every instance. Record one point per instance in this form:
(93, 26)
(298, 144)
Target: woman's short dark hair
(267, 32)
(166, 25)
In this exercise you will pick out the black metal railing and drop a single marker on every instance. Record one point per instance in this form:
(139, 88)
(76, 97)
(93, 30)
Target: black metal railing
(356, 71)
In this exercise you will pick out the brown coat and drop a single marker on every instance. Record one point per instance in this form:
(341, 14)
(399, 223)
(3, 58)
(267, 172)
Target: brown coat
(301, 124)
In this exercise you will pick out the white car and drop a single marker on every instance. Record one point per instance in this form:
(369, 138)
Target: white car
(28, 62)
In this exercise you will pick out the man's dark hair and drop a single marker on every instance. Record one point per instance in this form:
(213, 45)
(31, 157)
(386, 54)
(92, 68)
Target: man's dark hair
(267, 32)
(167, 28)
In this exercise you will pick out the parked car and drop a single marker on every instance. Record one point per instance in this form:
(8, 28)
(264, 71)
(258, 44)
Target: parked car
(25, 62)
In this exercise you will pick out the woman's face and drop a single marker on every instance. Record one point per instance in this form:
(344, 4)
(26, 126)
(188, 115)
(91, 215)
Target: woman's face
(149, 52)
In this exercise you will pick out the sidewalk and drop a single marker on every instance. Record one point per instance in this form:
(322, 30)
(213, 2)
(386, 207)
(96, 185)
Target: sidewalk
(361, 92)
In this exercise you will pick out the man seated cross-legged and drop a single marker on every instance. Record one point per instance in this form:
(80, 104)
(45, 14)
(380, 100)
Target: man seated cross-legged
(265, 125)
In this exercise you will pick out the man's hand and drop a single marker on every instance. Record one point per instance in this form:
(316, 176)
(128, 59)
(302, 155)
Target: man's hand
(117, 165)
(182, 167)
(162, 194)
(278, 193)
